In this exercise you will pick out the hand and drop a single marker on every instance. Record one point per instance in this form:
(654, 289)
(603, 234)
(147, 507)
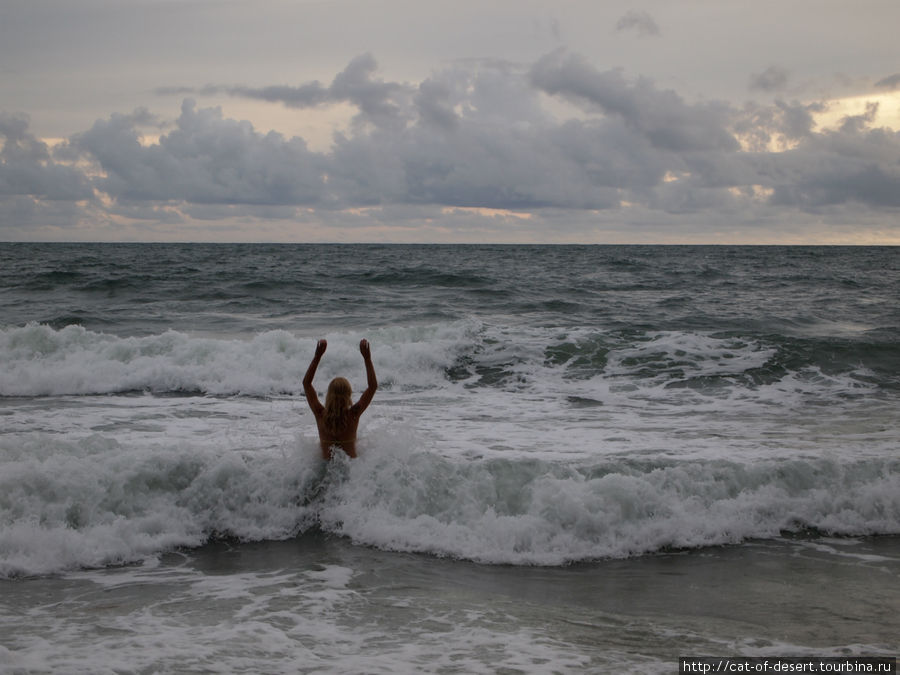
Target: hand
(321, 346)
(364, 349)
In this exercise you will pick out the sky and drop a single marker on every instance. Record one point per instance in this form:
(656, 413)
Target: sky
(506, 121)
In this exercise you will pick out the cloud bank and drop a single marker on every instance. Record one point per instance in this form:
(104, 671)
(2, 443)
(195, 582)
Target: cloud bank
(479, 150)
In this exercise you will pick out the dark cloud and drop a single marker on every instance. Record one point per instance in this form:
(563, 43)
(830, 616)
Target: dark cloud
(856, 123)
(847, 166)
(379, 102)
(209, 90)
(853, 165)
(773, 78)
(662, 117)
(434, 103)
(555, 30)
(780, 124)
(890, 82)
(28, 168)
(638, 21)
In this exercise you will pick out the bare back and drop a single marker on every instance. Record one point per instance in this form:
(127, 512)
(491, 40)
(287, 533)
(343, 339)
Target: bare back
(345, 436)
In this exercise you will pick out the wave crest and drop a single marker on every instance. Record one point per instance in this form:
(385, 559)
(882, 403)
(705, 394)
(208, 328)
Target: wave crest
(91, 503)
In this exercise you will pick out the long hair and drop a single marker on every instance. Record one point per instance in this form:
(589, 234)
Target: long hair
(337, 405)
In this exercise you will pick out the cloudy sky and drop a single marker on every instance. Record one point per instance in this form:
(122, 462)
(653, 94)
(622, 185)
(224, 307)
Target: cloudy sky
(665, 121)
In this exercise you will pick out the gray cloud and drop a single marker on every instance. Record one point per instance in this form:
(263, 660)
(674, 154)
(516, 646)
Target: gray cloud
(434, 102)
(28, 168)
(854, 165)
(379, 102)
(890, 82)
(839, 168)
(638, 21)
(474, 135)
(856, 123)
(205, 159)
(781, 123)
(773, 78)
(662, 117)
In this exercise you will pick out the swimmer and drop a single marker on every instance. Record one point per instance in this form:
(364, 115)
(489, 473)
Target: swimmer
(338, 419)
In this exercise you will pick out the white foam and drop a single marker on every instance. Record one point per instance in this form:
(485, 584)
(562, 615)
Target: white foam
(479, 445)
(539, 513)
(40, 361)
(91, 502)
(94, 502)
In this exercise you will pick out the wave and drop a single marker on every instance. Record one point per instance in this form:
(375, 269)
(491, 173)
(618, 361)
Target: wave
(93, 502)
(540, 513)
(43, 360)
(39, 360)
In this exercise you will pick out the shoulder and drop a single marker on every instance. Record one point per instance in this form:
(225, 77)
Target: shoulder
(316, 406)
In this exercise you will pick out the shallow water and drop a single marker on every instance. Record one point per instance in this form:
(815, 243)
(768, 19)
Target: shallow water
(321, 604)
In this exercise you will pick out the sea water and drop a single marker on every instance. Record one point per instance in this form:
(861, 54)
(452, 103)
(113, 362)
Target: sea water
(579, 459)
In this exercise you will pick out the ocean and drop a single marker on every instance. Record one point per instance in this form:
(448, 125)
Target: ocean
(580, 459)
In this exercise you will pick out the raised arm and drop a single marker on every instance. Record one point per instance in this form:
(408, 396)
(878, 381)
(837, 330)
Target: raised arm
(371, 380)
(312, 398)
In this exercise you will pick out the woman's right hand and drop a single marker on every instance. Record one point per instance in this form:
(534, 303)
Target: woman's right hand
(364, 349)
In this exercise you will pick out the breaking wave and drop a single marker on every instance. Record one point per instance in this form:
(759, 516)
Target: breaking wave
(93, 502)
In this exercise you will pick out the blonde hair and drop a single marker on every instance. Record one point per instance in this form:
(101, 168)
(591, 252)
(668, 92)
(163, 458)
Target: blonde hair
(337, 404)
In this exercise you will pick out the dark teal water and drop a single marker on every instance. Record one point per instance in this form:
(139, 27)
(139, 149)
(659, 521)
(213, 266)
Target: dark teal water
(135, 288)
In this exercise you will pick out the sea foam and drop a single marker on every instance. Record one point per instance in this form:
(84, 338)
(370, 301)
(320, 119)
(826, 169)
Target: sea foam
(89, 504)
(38, 360)
(552, 447)
(536, 512)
